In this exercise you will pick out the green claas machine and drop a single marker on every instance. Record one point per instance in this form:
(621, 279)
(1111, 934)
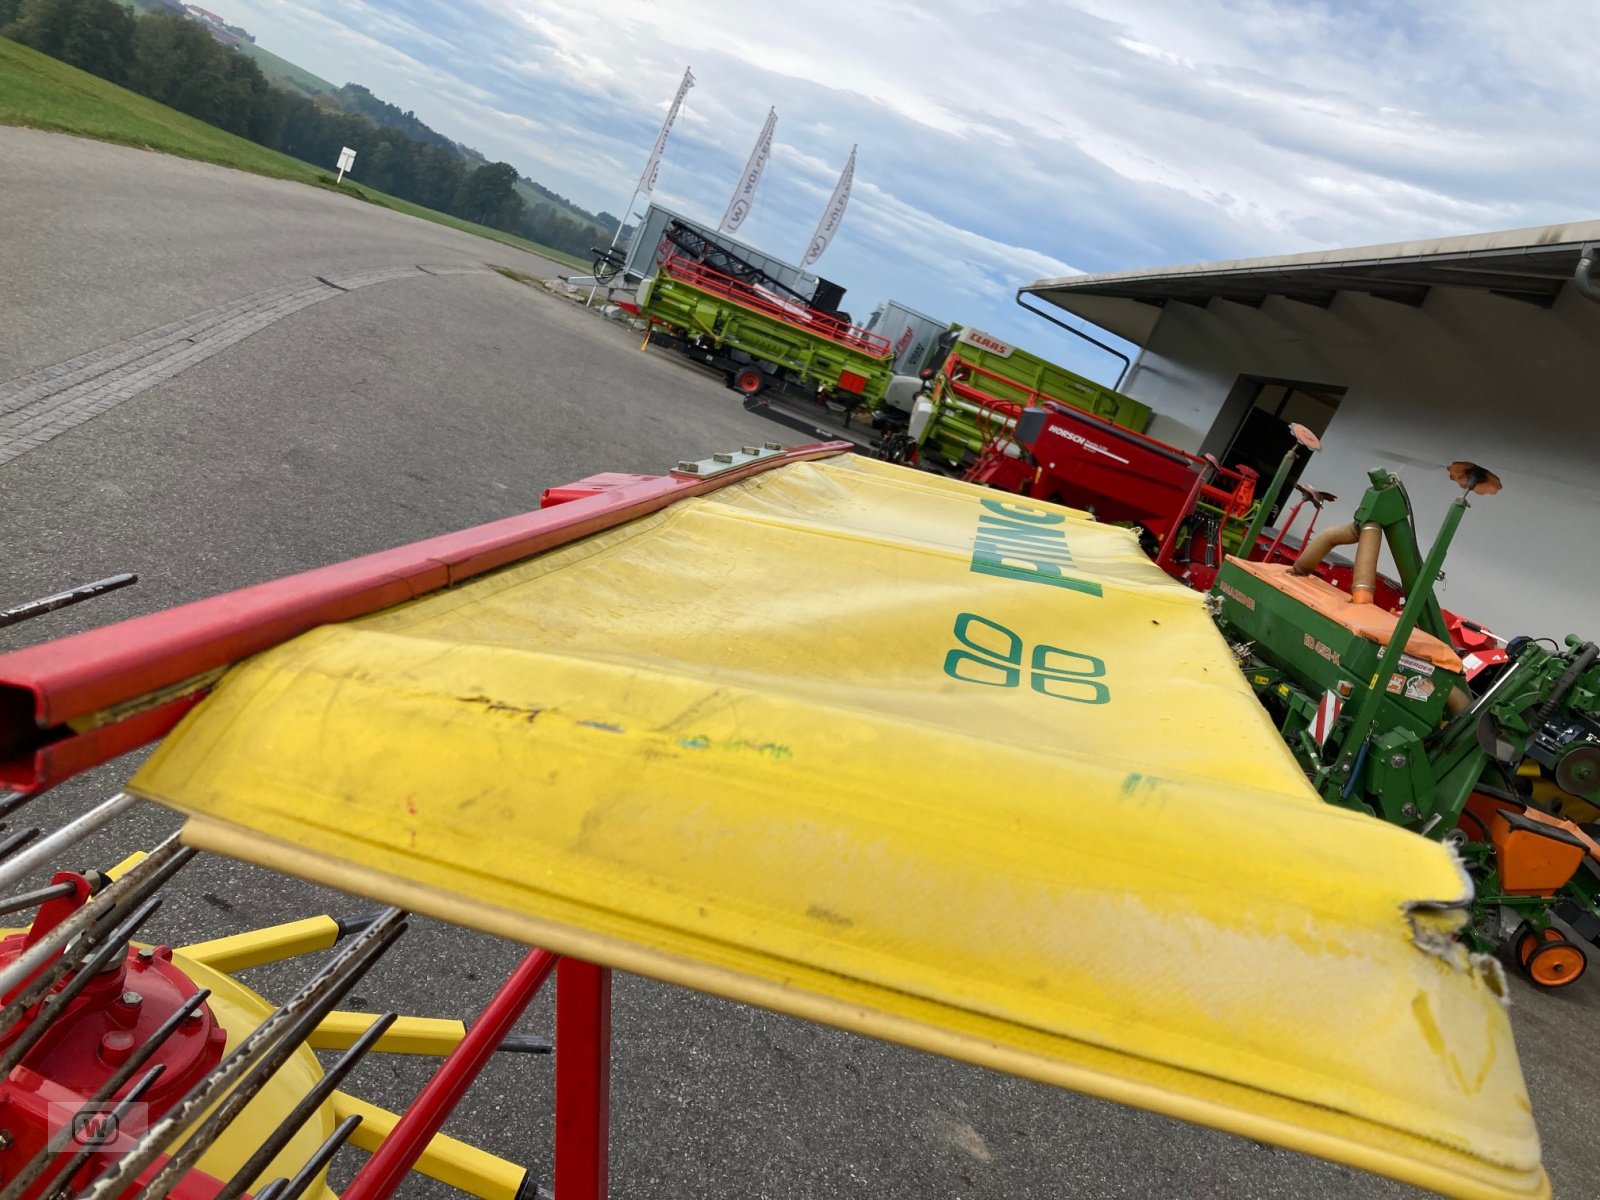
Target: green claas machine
(1377, 709)
(762, 340)
(978, 387)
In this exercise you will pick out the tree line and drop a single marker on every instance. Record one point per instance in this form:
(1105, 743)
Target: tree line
(175, 62)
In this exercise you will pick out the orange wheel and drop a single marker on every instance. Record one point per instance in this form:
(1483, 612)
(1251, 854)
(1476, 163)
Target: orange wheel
(1529, 939)
(1556, 964)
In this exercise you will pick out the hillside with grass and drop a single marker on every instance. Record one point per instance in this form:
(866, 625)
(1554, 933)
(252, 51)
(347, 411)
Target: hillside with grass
(42, 93)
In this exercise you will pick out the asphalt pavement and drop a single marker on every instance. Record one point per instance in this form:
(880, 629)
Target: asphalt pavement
(424, 403)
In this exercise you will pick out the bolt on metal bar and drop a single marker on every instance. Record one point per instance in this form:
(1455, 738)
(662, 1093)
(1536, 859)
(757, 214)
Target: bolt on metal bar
(134, 885)
(57, 1002)
(313, 999)
(50, 1152)
(36, 897)
(308, 1104)
(319, 1160)
(47, 849)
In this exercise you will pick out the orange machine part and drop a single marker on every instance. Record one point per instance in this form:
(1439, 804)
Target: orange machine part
(1537, 853)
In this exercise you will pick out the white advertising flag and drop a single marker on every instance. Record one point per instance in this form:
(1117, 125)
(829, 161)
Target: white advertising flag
(744, 193)
(832, 215)
(647, 180)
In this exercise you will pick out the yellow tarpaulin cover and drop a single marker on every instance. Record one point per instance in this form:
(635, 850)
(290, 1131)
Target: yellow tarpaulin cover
(909, 757)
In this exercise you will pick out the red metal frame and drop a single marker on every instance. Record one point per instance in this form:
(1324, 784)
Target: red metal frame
(143, 661)
(383, 1172)
(810, 320)
(583, 1080)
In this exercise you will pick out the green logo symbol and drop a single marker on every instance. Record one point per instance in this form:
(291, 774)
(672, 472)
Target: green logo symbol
(994, 657)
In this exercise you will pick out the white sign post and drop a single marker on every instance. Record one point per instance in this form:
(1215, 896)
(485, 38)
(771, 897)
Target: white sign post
(347, 159)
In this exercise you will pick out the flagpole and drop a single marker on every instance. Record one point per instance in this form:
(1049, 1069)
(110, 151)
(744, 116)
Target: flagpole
(647, 178)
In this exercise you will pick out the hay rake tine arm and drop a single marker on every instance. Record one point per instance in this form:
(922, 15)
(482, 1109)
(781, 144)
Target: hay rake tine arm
(132, 888)
(309, 1103)
(112, 946)
(51, 1150)
(322, 990)
(388, 1165)
(46, 851)
(16, 841)
(35, 898)
(58, 600)
(427, 1036)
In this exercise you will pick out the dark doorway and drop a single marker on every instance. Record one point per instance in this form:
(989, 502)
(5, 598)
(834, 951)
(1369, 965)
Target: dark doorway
(1254, 425)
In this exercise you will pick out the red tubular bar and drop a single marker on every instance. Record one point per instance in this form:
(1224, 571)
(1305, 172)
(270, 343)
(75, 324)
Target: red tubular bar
(808, 319)
(1169, 544)
(583, 1080)
(388, 1165)
(43, 687)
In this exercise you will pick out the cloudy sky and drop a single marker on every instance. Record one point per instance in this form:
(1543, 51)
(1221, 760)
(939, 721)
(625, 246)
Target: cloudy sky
(1006, 141)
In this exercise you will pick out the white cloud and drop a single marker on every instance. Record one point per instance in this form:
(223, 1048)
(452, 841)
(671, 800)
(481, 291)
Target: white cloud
(1004, 143)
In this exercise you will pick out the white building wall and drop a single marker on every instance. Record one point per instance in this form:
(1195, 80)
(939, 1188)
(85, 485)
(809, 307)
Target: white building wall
(1467, 375)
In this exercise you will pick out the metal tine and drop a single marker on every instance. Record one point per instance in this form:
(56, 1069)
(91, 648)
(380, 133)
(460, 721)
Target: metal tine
(36, 897)
(137, 883)
(115, 944)
(309, 1103)
(319, 1160)
(47, 849)
(56, 600)
(273, 1189)
(50, 1152)
(84, 1153)
(11, 801)
(265, 1066)
(526, 1043)
(17, 841)
(307, 1006)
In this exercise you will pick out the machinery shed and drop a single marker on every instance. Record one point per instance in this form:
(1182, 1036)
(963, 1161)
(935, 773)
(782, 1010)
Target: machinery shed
(1483, 347)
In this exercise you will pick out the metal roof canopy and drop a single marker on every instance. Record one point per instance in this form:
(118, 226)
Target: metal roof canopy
(1524, 264)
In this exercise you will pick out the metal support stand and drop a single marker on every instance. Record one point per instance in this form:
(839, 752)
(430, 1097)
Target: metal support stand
(583, 1080)
(400, 1150)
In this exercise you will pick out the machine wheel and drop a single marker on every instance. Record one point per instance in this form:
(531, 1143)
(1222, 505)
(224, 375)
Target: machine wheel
(1556, 964)
(1527, 939)
(750, 381)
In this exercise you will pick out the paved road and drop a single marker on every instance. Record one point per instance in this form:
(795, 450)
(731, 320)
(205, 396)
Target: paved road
(424, 403)
(104, 242)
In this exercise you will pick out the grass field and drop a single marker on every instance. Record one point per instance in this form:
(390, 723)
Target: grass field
(42, 93)
(274, 67)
